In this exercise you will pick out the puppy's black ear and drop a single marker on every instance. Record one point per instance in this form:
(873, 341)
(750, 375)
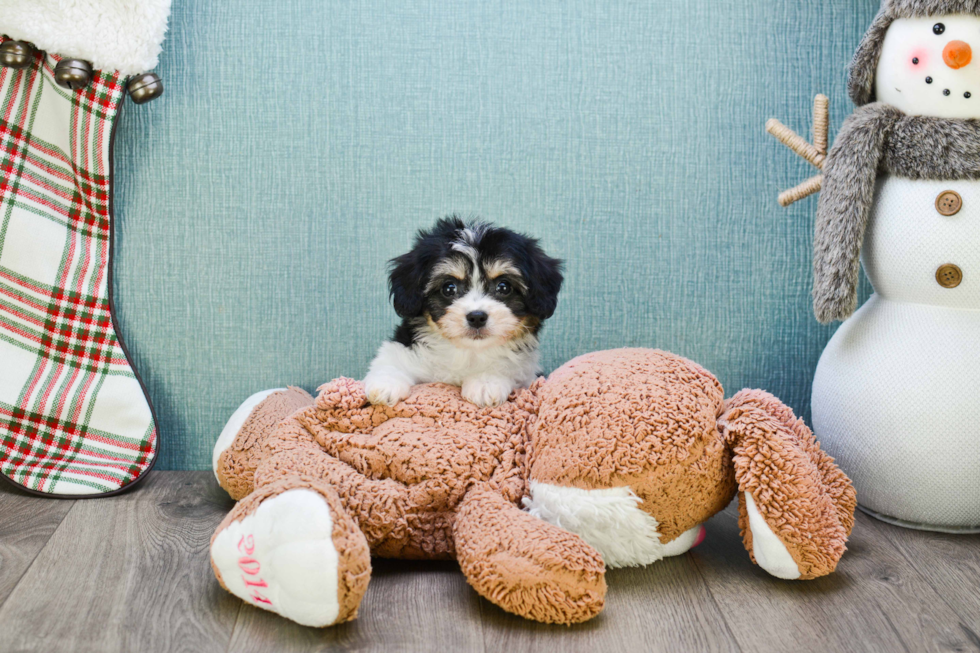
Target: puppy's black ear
(405, 284)
(543, 277)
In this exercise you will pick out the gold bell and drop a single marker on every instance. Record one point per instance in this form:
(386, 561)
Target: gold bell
(145, 87)
(16, 54)
(73, 74)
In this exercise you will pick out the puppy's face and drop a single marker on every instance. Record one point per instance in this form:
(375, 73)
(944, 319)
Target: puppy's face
(479, 286)
(474, 303)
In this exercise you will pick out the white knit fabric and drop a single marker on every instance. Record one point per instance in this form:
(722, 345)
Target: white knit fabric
(896, 396)
(908, 240)
(123, 35)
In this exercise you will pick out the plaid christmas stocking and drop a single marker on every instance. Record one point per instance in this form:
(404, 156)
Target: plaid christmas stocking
(74, 416)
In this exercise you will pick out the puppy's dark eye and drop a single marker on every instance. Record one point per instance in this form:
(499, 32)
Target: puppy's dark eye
(938, 28)
(449, 289)
(503, 288)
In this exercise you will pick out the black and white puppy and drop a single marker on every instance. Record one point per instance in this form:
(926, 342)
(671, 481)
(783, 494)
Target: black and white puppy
(472, 301)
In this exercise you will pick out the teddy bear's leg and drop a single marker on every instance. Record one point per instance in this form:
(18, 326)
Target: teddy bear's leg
(382, 508)
(796, 508)
(291, 548)
(239, 447)
(524, 564)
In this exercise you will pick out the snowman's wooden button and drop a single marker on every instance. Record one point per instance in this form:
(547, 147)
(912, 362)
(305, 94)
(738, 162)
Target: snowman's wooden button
(949, 276)
(949, 203)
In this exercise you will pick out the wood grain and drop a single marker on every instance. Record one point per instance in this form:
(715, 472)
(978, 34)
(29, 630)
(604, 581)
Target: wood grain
(409, 606)
(875, 601)
(128, 573)
(662, 607)
(131, 573)
(26, 525)
(949, 563)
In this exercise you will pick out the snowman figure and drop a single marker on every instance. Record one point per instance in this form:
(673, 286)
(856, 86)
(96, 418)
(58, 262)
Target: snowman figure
(896, 396)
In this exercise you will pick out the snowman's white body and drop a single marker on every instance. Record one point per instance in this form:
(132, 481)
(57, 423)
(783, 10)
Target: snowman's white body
(896, 396)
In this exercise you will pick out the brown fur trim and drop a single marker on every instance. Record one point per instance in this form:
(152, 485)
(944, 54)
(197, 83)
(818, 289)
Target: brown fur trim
(921, 147)
(864, 65)
(850, 173)
(926, 8)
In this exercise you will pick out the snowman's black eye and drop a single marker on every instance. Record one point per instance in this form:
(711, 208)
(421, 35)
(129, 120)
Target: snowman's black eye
(928, 80)
(915, 61)
(938, 28)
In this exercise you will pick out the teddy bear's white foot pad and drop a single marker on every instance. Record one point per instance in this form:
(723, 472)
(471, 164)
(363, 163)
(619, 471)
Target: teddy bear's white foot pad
(235, 423)
(282, 558)
(769, 551)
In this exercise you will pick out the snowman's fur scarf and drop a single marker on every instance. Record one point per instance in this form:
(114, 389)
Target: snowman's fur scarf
(877, 139)
(862, 71)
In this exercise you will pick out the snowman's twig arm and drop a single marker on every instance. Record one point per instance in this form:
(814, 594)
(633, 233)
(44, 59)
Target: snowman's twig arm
(806, 189)
(815, 153)
(821, 122)
(795, 142)
(850, 173)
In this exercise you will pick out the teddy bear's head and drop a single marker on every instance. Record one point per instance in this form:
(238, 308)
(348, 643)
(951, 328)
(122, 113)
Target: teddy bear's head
(636, 424)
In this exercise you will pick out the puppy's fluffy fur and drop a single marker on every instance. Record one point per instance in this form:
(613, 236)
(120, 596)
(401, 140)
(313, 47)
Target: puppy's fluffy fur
(472, 301)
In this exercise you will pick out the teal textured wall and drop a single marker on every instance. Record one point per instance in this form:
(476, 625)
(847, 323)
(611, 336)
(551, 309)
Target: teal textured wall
(300, 143)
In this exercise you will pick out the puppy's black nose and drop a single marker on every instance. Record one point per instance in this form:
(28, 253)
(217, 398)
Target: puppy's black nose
(477, 319)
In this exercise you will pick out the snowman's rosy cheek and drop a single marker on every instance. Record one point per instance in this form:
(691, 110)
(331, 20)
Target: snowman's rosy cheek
(917, 59)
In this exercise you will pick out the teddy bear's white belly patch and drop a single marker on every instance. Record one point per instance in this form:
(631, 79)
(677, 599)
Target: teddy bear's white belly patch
(610, 520)
(282, 558)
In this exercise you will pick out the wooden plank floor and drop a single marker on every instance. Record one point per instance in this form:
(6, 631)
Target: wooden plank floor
(131, 573)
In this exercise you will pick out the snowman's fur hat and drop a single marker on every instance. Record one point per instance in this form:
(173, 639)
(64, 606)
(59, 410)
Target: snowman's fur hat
(861, 83)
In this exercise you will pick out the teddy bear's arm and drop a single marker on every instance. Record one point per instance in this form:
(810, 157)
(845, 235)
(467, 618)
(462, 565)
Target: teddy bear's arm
(381, 507)
(525, 565)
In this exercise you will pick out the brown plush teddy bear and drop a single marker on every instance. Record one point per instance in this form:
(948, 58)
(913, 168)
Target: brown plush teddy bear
(617, 459)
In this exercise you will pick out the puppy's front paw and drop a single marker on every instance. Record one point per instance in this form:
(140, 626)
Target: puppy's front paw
(486, 391)
(386, 389)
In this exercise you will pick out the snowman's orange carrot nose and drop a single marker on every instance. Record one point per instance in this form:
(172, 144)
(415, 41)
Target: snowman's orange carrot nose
(957, 54)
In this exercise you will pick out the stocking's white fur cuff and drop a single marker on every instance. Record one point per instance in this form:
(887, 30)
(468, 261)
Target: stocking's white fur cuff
(123, 35)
